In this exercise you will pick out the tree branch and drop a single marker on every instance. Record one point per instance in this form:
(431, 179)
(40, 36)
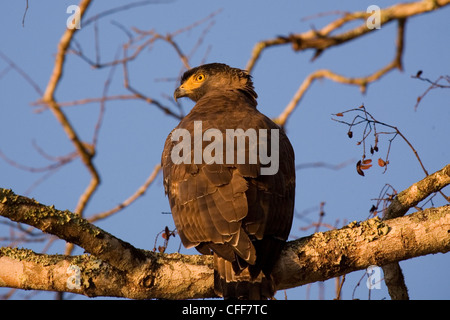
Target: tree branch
(323, 39)
(116, 268)
(48, 99)
(361, 82)
(393, 275)
(411, 196)
(357, 246)
(70, 227)
(319, 257)
(139, 192)
(320, 40)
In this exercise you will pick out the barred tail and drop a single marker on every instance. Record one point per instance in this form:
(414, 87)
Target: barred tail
(241, 285)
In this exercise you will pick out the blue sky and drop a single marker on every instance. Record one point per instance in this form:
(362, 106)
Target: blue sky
(133, 132)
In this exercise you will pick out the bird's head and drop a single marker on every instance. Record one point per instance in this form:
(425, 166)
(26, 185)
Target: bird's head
(197, 82)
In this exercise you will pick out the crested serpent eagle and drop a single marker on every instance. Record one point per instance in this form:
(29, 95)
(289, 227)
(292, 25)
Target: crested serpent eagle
(229, 174)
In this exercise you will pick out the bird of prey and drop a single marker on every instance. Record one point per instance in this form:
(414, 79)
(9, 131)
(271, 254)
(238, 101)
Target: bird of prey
(229, 174)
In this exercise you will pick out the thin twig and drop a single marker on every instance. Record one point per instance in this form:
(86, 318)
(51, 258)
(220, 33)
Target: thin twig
(361, 82)
(139, 192)
(369, 119)
(434, 84)
(48, 98)
(320, 40)
(24, 15)
(142, 96)
(27, 78)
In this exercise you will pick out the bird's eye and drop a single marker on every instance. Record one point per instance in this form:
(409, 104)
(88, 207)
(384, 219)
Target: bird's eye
(200, 77)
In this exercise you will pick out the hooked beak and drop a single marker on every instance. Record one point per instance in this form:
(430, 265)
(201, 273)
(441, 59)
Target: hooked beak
(179, 93)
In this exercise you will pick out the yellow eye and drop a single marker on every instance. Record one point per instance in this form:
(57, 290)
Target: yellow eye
(200, 77)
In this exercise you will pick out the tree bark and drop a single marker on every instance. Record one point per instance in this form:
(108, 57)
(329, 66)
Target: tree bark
(393, 275)
(116, 268)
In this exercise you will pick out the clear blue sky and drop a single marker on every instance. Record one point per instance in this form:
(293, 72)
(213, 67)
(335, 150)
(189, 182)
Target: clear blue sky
(133, 132)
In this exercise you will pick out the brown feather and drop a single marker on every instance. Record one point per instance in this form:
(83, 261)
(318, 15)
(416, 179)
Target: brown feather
(232, 210)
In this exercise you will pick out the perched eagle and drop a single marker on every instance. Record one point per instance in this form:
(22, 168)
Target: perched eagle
(229, 174)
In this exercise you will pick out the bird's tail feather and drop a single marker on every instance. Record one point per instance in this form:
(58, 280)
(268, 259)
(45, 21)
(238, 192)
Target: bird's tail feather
(231, 285)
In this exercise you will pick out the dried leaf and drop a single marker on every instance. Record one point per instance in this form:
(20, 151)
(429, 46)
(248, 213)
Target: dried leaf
(382, 163)
(358, 168)
(167, 233)
(340, 114)
(161, 249)
(350, 134)
(363, 165)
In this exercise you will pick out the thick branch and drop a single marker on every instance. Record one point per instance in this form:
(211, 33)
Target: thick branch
(357, 246)
(417, 192)
(119, 269)
(174, 276)
(393, 275)
(70, 227)
(321, 39)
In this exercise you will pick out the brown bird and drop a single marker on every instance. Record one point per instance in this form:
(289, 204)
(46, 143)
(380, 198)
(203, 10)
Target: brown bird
(229, 174)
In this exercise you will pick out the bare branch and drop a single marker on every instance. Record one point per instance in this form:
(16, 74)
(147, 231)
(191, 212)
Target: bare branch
(328, 254)
(321, 39)
(361, 82)
(406, 199)
(321, 256)
(434, 84)
(370, 125)
(418, 192)
(24, 14)
(118, 9)
(48, 98)
(139, 192)
(149, 100)
(70, 227)
(22, 73)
